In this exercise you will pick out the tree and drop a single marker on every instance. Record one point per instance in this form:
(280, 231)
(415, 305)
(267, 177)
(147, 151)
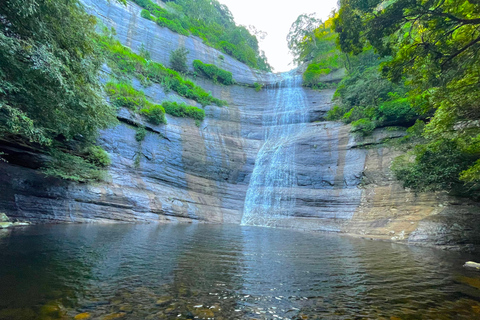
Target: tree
(49, 85)
(435, 49)
(301, 34)
(50, 94)
(178, 60)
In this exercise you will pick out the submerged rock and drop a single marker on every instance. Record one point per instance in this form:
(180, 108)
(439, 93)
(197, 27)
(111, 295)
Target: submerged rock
(472, 265)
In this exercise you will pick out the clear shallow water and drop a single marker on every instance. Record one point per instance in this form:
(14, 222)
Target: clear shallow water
(226, 272)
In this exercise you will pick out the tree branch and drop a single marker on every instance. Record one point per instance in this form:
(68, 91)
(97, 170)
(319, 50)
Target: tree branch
(453, 56)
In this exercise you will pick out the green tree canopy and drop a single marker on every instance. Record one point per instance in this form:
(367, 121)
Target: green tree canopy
(49, 85)
(434, 47)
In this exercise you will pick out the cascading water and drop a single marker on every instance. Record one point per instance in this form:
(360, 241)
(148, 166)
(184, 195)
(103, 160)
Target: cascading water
(270, 195)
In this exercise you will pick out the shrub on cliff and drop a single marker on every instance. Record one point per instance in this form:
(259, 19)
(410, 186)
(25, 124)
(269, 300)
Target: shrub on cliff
(124, 62)
(438, 166)
(146, 14)
(213, 72)
(313, 74)
(178, 60)
(124, 95)
(183, 110)
(154, 113)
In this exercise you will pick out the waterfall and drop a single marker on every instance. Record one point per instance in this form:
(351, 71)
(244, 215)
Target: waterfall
(271, 192)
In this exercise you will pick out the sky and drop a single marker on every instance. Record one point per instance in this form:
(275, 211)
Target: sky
(275, 17)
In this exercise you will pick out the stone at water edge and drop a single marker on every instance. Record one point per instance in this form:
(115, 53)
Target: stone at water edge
(473, 265)
(4, 225)
(3, 217)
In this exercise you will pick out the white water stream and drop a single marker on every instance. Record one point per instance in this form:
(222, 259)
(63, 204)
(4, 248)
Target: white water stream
(270, 195)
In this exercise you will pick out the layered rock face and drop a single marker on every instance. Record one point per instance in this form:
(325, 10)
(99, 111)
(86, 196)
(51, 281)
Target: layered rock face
(185, 173)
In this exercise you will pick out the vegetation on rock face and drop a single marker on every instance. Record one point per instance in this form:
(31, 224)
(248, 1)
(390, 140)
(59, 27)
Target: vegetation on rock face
(178, 60)
(183, 110)
(140, 134)
(314, 42)
(50, 94)
(123, 95)
(213, 72)
(426, 68)
(211, 21)
(124, 61)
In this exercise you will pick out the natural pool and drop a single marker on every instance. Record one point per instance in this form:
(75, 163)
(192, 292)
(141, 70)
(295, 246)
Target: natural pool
(225, 272)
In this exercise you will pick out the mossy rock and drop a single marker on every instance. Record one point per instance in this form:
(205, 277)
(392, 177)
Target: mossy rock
(52, 310)
(114, 316)
(82, 316)
(203, 313)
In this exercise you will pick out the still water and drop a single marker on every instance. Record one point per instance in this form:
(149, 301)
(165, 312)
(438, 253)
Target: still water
(225, 272)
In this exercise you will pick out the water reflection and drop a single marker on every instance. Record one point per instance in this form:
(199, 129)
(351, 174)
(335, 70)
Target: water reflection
(225, 272)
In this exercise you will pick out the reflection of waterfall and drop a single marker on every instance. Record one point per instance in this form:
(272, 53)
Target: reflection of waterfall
(270, 196)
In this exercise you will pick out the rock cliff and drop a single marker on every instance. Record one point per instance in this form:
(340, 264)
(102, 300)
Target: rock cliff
(185, 173)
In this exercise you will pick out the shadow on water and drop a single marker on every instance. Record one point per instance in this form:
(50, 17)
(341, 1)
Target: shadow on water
(225, 272)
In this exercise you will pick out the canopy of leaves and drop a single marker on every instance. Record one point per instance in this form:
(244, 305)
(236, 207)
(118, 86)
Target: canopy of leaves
(211, 21)
(49, 72)
(50, 93)
(434, 47)
(314, 42)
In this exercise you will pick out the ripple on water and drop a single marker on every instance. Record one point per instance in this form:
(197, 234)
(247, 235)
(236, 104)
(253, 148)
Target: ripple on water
(225, 272)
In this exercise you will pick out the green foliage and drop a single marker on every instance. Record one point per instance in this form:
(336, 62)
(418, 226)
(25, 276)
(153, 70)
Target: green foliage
(335, 114)
(214, 72)
(125, 62)
(314, 42)
(146, 14)
(437, 166)
(183, 110)
(363, 126)
(258, 86)
(48, 72)
(140, 134)
(172, 25)
(97, 156)
(154, 113)
(212, 22)
(178, 60)
(364, 94)
(124, 95)
(50, 92)
(434, 47)
(301, 37)
(144, 53)
(65, 165)
(396, 112)
(313, 74)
